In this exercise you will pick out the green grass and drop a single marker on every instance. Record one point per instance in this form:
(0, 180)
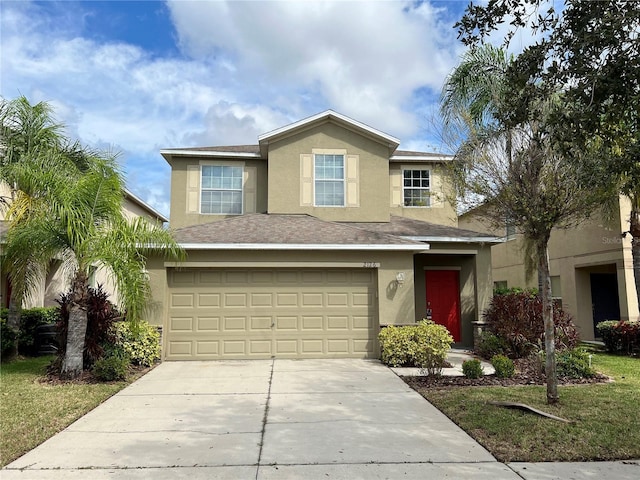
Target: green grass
(31, 411)
(606, 417)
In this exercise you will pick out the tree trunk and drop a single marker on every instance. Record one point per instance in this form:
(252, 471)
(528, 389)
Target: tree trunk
(13, 320)
(634, 229)
(549, 328)
(73, 363)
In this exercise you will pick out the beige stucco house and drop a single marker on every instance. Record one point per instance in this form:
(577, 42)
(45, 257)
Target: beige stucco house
(591, 267)
(57, 280)
(304, 244)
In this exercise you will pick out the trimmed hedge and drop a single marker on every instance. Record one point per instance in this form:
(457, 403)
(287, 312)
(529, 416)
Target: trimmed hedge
(620, 336)
(424, 345)
(472, 368)
(140, 342)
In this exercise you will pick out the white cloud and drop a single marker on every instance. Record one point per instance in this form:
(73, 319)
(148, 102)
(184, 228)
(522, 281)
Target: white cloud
(364, 59)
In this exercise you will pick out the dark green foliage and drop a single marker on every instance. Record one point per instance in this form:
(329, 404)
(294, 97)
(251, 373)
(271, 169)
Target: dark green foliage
(620, 336)
(503, 366)
(517, 318)
(574, 363)
(7, 338)
(30, 320)
(490, 345)
(472, 368)
(113, 366)
(101, 314)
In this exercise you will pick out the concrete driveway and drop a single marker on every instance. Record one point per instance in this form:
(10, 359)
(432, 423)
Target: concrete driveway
(269, 419)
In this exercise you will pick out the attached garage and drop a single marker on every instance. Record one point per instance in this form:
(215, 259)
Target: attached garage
(243, 313)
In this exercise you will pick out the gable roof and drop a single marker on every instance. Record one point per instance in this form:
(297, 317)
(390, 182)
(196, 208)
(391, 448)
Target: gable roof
(324, 117)
(417, 230)
(128, 195)
(288, 232)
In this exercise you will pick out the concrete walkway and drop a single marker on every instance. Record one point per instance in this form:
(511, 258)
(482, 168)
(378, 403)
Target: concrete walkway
(350, 419)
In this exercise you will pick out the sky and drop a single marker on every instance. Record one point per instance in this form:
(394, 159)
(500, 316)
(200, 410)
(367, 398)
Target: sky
(135, 77)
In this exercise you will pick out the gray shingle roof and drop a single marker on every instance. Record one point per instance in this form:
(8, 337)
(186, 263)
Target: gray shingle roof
(262, 228)
(409, 227)
(228, 148)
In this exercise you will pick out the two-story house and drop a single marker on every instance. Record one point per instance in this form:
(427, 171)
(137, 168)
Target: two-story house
(306, 243)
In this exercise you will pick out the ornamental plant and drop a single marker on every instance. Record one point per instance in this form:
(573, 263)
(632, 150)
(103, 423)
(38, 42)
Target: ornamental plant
(424, 345)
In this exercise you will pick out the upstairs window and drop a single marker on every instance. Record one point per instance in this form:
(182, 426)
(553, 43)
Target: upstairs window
(221, 191)
(329, 180)
(416, 184)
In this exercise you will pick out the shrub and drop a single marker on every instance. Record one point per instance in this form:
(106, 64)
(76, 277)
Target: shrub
(472, 368)
(101, 313)
(141, 342)
(574, 363)
(113, 366)
(30, 320)
(424, 345)
(503, 366)
(490, 345)
(8, 337)
(620, 336)
(517, 318)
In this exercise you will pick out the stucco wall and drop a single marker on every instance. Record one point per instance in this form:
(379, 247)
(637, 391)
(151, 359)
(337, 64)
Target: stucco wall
(373, 171)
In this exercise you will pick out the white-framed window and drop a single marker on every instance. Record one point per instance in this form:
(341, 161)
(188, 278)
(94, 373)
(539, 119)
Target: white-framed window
(221, 189)
(416, 188)
(329, 184)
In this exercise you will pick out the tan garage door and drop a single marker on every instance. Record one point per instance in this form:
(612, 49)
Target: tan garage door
(260, 313)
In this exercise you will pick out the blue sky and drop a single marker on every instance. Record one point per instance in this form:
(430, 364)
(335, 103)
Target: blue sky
(138, 76)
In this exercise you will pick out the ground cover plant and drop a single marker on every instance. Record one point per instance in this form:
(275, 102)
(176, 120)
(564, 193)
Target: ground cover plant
(35, 407)
(604, 416)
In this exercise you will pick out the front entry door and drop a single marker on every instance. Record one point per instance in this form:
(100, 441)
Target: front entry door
(443, 299)
(604, 297)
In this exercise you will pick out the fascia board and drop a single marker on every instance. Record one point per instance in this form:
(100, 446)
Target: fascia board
(302, 246)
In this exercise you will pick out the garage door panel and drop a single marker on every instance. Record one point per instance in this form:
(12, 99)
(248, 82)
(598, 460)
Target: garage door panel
(208, 300)
(208, 324)
(181, 324)
(260, 313)
(182, 300)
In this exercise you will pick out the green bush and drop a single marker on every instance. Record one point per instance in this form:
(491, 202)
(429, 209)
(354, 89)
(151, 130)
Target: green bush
(503, 366)
(141, 341)
(574, 364)
(472, 368)
(30, 320)
(490, 345)
(424, 345)
(113, 366)
(8, 337)
(620, 336)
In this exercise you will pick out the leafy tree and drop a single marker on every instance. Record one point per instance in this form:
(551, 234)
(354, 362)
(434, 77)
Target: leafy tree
(511, 166)
(591, 51)
(70, 207)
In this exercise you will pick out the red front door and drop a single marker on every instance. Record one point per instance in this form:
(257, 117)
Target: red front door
(443, 299)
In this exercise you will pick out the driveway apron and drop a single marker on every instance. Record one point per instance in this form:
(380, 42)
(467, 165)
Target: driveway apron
(262, 419)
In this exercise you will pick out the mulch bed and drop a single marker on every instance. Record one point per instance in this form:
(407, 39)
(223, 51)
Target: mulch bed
(528, 372)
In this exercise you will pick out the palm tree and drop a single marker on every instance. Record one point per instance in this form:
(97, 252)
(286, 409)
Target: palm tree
(27, 132)
(80, 221)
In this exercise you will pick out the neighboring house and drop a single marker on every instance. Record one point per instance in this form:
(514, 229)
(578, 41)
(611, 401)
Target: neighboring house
(57, 281)
(591, 267)
(304, 244)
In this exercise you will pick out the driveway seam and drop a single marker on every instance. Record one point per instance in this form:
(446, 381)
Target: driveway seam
(264, 418)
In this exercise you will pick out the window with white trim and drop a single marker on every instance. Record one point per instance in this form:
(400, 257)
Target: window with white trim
(416, 188)
(221, 190)
(329, 180)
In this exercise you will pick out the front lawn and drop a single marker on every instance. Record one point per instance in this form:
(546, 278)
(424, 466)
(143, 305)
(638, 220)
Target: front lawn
(32, 410)
(606, 417)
